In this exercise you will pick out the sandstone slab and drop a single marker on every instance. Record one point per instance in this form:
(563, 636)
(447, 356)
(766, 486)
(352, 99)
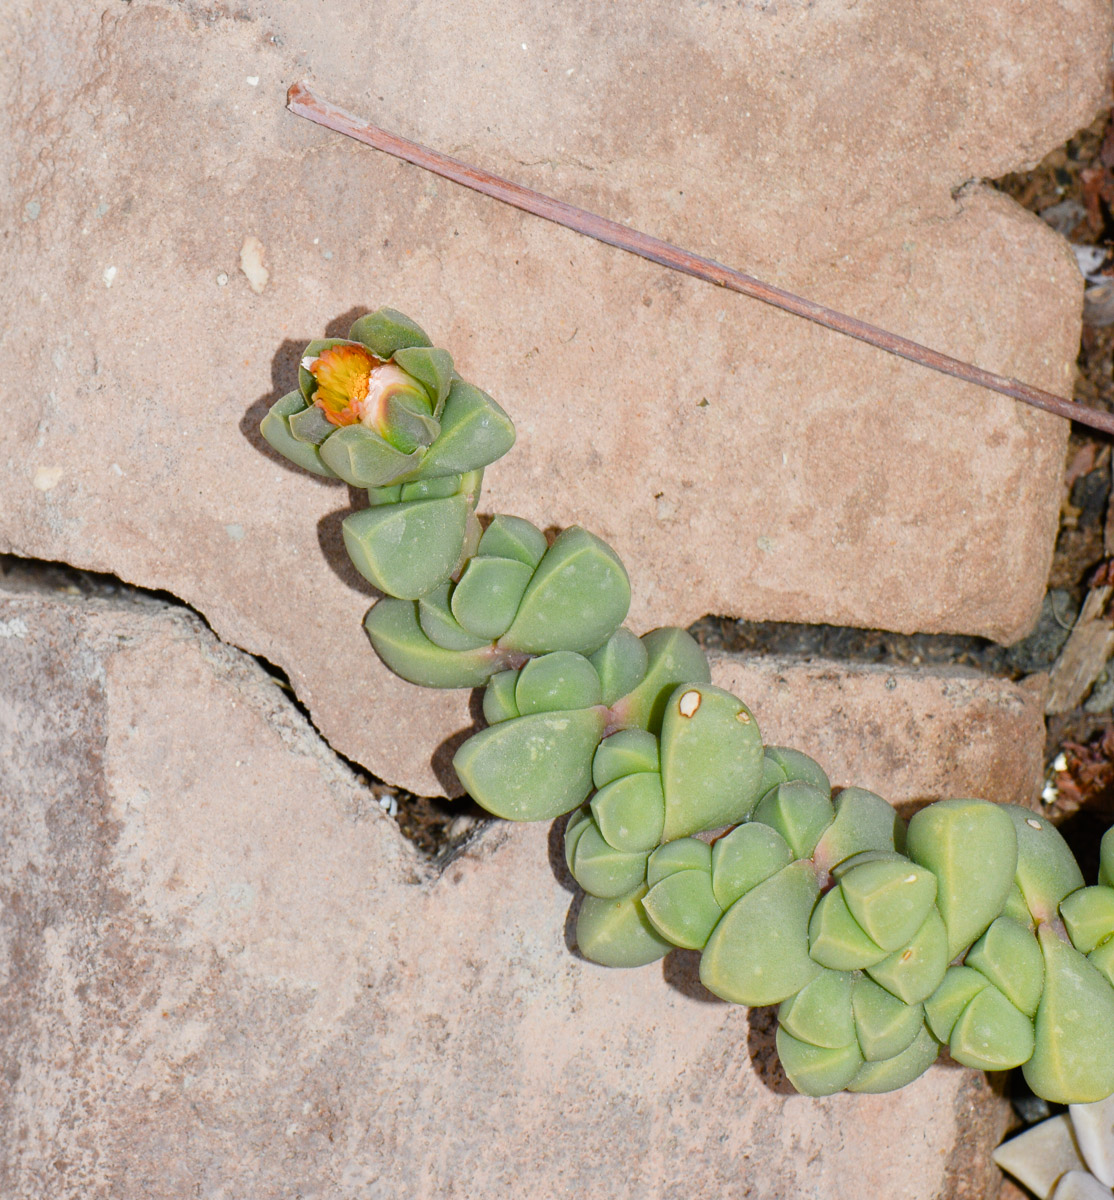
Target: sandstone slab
(741, 461)
(225, 974)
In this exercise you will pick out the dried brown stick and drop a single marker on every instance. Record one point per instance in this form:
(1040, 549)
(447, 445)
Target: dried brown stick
(304, 103)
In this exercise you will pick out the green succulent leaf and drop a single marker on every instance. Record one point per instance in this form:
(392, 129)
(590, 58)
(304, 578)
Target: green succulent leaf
(310, 425)
(440, 626)
(577, 598)
(432, 368)
(711, 760)
(685, 854)
(275, 427)
(971, 848)
(617, 933)
(817, 1070)
(799, 811)
(889, 900)
(512, 537)
(681, 907)
(991, 1034)
(625, 753)
(407, 550)
(943, 1008)
(837, 940)
(475, 432)
(398, 639)
(673, 657)
(532, 768)
(758, 953)
(1046, 868)
(407, 422)
(384, 332)
(1102, 959)
(863, 821)
(915, 971)
(746, 857)
(884, 1025)
(621, 663)
(785, 764)
(1009, 955)
(488, 595)
(1106, 859)
(430, 489)
(603, 871)
(557, 681)
(630, 811)
(578, 823)
(499, 702)
(1073, 1062)
(363, 459)
(893, 1073)
(1016, 908)
(820, 1013)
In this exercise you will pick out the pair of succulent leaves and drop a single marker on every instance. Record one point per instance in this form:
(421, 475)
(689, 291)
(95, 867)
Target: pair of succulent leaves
(861, 967)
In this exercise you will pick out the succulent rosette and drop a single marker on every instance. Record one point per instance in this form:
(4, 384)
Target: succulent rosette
(880, 942)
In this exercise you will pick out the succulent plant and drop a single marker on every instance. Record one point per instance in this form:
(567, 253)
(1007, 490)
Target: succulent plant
(1066, 1157)
(970, 928)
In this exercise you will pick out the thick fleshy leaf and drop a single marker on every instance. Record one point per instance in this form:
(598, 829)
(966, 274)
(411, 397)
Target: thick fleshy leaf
(943, 1008)
(488, 594)
(601, 870)
(386, 331)
(784, 764)
(889, 900)
(1106, 859)
(991, 1034)
(556, 681)
(758, 953)
(310, 425)
(1016, 908)
(685, 854)
(884, 1025)
(836, 939)
(1102, 959)
(1089, 917)
(863, 821)
(512, 537)
(971, 848)
(1041, 1154)
(398, 639)
(430, 489)
(711, 760)
(531, 768)
(275, 427)
(1046, 868)
(439, 624)
(915, 971)
(475, 432)
(578, 823)
(746, 857)
(817, 1070)
(499, 701)
(363, 459)
(630, 811)
(405, 423)
(1094, 1131)
(1009, 955)
(617, 933)
(1073, 1062)
(577, 598)
(407, 550)
(1079, 1185)
(681, 907)
(432, 368)
(625, 753)
(673, 656)
(799, 811)
(893, 1073)
(820, 1013)
(621, 663)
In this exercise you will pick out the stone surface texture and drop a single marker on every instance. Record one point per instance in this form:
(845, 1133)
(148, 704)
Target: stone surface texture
(828, 147)
(225, 974)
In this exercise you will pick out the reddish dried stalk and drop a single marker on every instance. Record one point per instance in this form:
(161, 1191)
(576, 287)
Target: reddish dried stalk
(302, 101)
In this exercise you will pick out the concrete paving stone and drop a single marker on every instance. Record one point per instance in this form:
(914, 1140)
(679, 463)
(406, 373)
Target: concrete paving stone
(225, 974)
(828, 148)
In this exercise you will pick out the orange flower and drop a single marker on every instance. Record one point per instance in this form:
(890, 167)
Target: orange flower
(353, 385)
